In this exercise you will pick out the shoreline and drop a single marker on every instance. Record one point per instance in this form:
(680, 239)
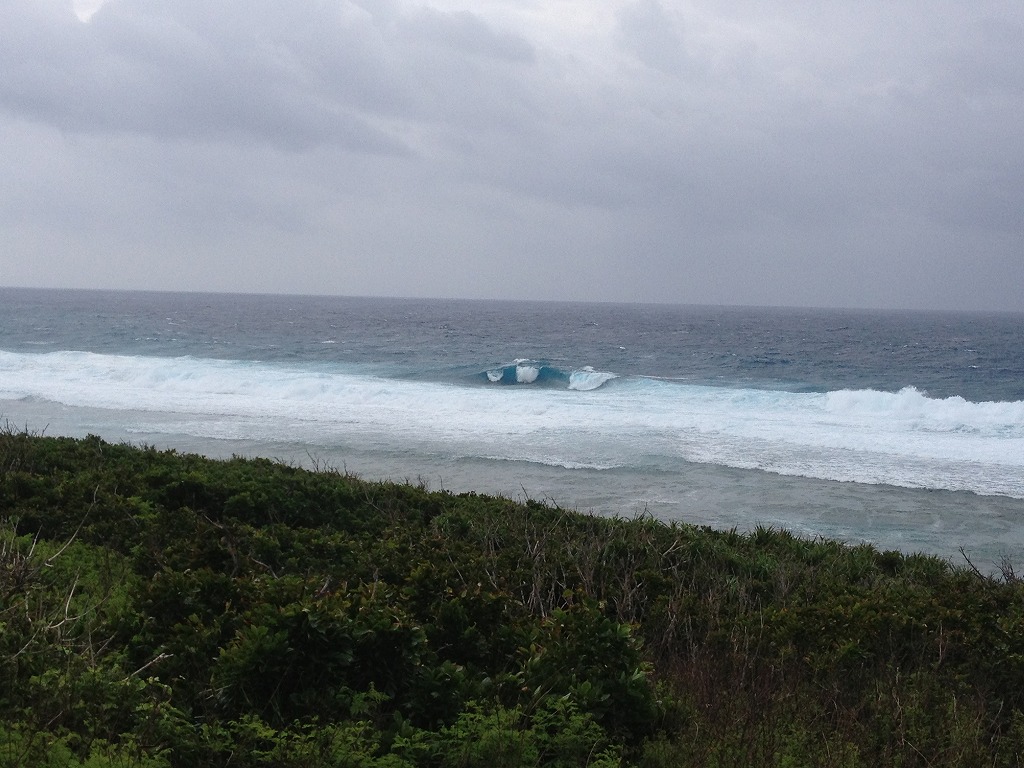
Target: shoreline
(933, 522)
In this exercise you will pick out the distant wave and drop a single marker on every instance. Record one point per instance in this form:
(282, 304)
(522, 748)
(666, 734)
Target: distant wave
(542, 374)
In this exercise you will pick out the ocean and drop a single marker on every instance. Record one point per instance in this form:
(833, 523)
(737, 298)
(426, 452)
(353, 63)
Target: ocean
(904, 430)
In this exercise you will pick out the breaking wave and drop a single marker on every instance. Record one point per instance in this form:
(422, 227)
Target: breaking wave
(542, 374)
(902, 438)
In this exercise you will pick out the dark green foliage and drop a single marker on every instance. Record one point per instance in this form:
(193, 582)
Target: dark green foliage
(159, 609)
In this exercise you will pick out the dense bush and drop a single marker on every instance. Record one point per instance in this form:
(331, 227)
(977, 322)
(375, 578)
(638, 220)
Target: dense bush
(159, 609)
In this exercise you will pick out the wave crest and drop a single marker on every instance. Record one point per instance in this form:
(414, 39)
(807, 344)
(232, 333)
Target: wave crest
(543, 374)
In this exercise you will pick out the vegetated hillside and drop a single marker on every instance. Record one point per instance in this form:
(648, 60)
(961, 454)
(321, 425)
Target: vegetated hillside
(159, 609)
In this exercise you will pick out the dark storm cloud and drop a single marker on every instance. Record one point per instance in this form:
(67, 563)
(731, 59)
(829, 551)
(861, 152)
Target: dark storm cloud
(137, 68)
(291, 75)
(740, 152)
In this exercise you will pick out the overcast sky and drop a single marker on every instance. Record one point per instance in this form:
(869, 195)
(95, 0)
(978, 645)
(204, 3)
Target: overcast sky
(798, 152)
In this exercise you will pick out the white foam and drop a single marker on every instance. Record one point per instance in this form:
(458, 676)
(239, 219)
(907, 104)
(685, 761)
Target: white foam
(904, 438)
(588, 379)
(527, 374)
(554, 461)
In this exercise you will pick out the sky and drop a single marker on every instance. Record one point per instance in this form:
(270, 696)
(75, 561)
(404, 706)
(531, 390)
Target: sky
(795, 153)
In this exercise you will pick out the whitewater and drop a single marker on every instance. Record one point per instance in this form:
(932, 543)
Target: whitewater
(902, 438)
(902, 431)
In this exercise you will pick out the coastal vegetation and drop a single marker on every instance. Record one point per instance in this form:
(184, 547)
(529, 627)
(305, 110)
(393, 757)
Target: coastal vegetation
(161, 609)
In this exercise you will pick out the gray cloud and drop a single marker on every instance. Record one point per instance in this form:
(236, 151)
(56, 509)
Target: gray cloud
(180, 71)
(653, 37)
(643, 150)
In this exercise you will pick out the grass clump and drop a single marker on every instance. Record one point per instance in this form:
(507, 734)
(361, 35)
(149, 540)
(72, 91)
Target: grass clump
(159, 609)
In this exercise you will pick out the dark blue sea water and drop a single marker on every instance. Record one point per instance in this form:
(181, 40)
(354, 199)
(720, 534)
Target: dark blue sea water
(905, 430)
